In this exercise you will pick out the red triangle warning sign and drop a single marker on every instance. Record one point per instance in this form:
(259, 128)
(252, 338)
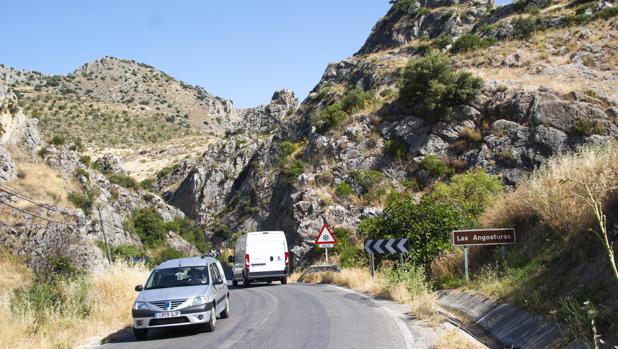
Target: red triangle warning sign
(325, 237)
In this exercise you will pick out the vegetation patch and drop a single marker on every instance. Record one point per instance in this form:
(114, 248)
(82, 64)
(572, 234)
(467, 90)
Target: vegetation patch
(472, 42)
(432, 85)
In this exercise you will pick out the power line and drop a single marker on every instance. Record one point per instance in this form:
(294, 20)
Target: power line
(31, 214)
(15, 193)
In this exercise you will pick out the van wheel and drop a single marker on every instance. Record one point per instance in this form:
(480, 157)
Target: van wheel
(269, 282)
(234, 282)
(212, 323)
(284, 280)
(226, 312)
(140, 333)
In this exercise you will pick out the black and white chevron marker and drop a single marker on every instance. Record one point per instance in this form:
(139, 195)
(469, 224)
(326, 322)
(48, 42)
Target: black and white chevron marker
(387, 246)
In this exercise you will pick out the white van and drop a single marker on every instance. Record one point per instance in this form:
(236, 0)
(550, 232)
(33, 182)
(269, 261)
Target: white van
(260, 256)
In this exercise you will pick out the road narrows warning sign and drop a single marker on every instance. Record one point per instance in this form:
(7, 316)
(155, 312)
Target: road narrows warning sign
(325, 237)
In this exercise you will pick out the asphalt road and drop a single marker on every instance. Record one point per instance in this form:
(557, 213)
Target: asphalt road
(288, 316)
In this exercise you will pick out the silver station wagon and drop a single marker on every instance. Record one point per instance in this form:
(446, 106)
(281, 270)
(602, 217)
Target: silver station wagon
(179, 292)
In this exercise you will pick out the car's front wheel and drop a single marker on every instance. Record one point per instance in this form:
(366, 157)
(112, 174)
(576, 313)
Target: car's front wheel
(226, 312)
(212, 322)
(140, 333)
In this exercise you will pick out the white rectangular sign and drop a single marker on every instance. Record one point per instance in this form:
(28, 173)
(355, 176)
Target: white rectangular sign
(326, 245)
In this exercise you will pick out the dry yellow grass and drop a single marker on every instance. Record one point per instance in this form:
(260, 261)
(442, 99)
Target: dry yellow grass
(555, 193)
(452, 339)
(359, 279)
(109, 289)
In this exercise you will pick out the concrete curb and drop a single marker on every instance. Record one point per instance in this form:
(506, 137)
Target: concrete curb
(510, 325)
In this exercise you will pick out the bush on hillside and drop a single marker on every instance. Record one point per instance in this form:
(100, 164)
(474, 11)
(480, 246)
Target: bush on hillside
(396, 149)
(427, 224)
(432, 84)
(148, 224)
(356, 100)
(524, 28)
(286, 148)
(330, 117)
(367, 179)
(472, 42)
(470, 193)
(163, 255)
(190, 231)
(344, 189)
(349, 255)
(123, 180)
(292, 170)
(435, 165)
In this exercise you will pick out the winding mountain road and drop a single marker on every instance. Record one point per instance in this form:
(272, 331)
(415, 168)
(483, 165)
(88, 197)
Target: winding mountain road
(292, 316)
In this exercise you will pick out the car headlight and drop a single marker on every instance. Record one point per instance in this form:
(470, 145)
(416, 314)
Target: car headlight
(140, 306)
(198, 301)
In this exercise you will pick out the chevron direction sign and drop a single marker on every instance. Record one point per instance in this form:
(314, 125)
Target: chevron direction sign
(387, 246)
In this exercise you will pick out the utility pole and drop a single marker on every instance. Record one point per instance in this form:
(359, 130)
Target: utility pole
(109, 255)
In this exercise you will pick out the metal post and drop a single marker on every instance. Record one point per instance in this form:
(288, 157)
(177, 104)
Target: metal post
(466, 262)
(326, 255)
(503, 253)
(373, 267)
(401, 259)
(109, 255)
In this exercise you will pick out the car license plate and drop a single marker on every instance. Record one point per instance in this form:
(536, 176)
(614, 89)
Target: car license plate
(167, 314)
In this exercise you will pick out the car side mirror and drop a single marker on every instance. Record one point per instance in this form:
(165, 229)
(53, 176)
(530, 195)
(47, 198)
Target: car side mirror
(139, 288)
(230, 259)
(218, 281)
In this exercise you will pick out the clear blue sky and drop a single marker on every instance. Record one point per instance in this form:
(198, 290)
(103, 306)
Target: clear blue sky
(240, 50)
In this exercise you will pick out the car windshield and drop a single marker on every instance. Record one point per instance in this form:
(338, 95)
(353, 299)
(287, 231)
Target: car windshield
(177, 277)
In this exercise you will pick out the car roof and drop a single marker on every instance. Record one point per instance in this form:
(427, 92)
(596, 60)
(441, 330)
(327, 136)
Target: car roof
(266, 231)
(186, 262)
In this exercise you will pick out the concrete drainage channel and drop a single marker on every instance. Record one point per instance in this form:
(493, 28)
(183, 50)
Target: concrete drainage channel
(500, 325)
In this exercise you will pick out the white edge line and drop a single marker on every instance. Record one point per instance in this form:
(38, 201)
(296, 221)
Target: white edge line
(403, 328)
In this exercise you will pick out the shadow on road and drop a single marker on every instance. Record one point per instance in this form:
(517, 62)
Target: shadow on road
(126, 334)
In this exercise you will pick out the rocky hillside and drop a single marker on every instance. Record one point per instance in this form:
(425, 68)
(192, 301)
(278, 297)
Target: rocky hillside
(549, 85)
(117, 102)
(54, 203)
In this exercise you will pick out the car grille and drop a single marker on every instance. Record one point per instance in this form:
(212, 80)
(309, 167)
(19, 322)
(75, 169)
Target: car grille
(175, 304)
(170, 321)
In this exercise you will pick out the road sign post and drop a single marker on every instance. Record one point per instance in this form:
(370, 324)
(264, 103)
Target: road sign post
(483, 237)
(372, 247)
(325, 240)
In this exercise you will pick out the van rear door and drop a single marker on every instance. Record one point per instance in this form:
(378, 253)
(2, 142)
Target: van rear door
(266, 253)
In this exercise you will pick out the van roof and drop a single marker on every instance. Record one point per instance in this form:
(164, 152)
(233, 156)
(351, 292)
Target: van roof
(186, 262)
(266, 232)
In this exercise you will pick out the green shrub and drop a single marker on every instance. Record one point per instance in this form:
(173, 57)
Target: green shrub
(356, 100)
(190, 231)
(163, 255)
(147, 184)
(472, 42)
(524, 28)
(396, 149)
(367, 180)
(125, 252)
(470, 193)
(148, 224)
(606, 13)
(223, 232)
(286, 148)
(123, 180)
(344, 189)
(406, 6)
(292, 170)
(85, 159)
(330, 117)
(588, 127)
(349, 255)
(83, 200)
(435, 165)
(411, 276)
(432, 84)
(82, 172)
(441, 41)
(427, 224)
(40, 297)
(58, 140)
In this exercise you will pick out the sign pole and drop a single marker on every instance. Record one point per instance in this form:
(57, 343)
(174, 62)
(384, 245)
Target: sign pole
(373, 267)
(326, 255)
(466, 263)
(503, 253)
(401, 259)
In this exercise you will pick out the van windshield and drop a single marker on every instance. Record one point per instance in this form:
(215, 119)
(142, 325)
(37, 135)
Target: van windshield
(177, 277)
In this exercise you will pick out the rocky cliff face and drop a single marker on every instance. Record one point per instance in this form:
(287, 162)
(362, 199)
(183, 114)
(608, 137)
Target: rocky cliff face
(516, 124)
